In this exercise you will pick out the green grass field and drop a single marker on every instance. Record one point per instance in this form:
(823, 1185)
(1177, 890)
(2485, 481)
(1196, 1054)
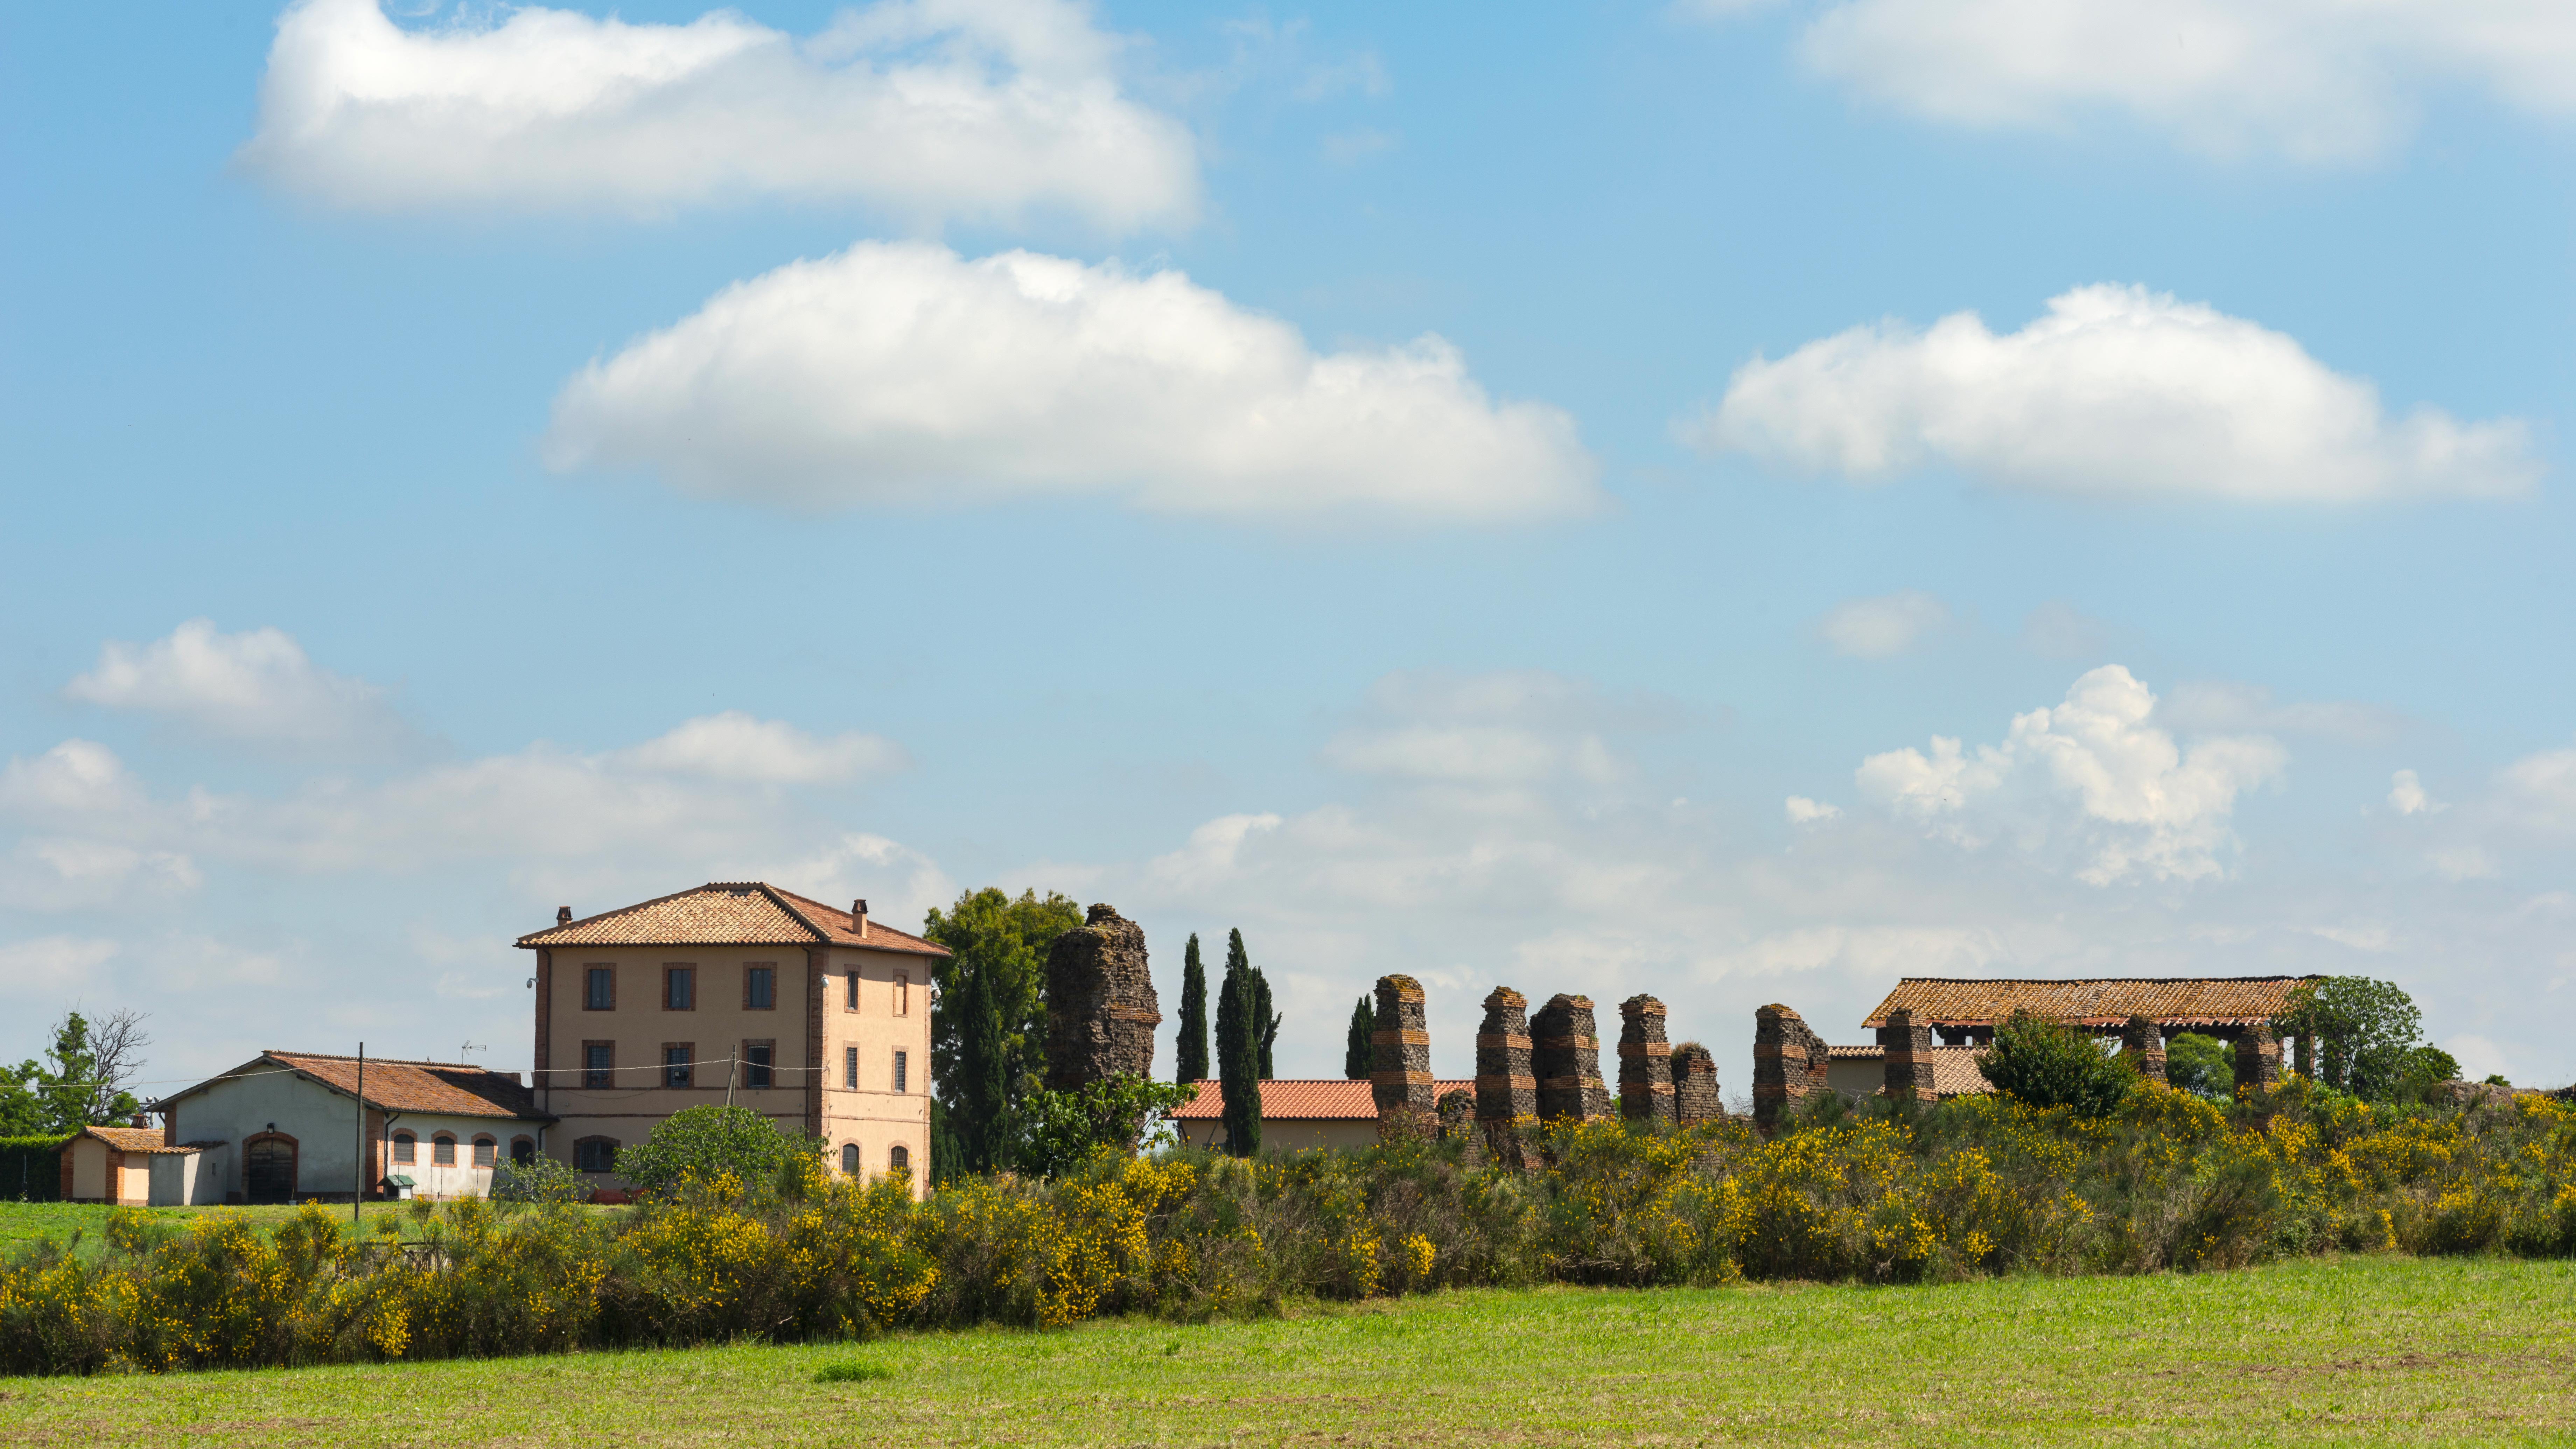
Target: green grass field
(26, 1221)
(2375, 1350)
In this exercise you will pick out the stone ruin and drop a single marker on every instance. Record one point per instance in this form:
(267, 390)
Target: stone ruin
(1695, 1086)
(1905, 1048)
(2142, 1045)
(1458, 1124)
(1101, 1009)
(2258, 1058)
(1645, 1062)
(1565, 1055)
(1788, 1065)
(1506, 1088)
(1400, 1060)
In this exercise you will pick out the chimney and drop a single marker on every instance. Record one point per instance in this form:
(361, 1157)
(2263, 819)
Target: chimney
(563, 915)
(859, 918)
(141, 1121)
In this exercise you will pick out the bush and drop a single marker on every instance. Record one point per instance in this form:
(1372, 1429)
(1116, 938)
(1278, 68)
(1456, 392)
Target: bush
(31, 1168)
(2201, 1065)
(2047, 1064)
(543, 1180)
(705, 1143)
(1062, 1129)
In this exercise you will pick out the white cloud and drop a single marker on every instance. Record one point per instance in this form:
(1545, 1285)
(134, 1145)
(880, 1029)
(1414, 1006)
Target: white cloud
(735, 746)
(1803, 811)
(2116, 391)
(256, 685)
(980, 110)
(904, 374)
(2212, 704)
(1885, 626)
(51, 967)
(2406, 795)
(74, 779)
(2094, 767)
(2540, 790)
(2464, 862)
(2314, 80)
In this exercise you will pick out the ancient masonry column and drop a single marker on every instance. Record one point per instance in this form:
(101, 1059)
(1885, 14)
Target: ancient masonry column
(1101, 1009)
(1906, 1048)
(2142, 1045)
(1505, 1086)
(1565, 1052)
(1788, 1065)
(1645, 1062)
(1695, 1085)
(1400, 1061)
(2258, 1058)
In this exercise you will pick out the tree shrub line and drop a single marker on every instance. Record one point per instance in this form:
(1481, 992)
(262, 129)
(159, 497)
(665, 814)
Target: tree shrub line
(1883, 1192)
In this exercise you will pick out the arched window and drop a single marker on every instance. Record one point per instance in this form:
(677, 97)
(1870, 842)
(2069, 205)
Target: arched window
(483, 1148)
(442, 1151)
(406, 1150)
(523, 1151)
(901, 1159)
(850, 1159)
(595, 1154)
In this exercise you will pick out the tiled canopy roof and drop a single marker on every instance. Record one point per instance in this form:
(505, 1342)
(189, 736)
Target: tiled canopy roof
(2100, 1001)
(131, 1139)
(449, 1088)
(730, 913)
(1954, 1069)
(1307, 1099)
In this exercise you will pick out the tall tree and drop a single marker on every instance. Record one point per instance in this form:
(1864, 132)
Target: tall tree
(1193, 1046)
(1359, 1058)
(83, 1080)
(1238, 1054)
(2368, 1029)
(1265, 1023)
(1003, 939)
(980, 1115)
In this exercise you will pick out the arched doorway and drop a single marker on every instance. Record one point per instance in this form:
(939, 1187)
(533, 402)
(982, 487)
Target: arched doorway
(268, 1168)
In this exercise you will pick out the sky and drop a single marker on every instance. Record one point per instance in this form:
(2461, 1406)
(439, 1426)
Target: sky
(1738, 501)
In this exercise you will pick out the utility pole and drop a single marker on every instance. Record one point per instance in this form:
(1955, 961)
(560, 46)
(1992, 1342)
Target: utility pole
(358, 1195)
(730, 1063)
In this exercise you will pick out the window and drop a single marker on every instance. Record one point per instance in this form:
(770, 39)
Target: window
(679, 988)
(483, 1150)
(599, 1064)
(850, 1002)
(676, 1056)
(759, 988)
(599, 988)
(595, 1154)
(900, 1159)
(404, 1148)
(902, 993)
(442, 1151)
(849, 1159)
(850, 1068)
(523, 1151)
(901, 1061)
(755, 1063)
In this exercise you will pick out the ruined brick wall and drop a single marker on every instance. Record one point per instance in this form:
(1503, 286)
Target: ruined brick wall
(1400, 1059)
(2258, 1058)
(1907, 1049)
(1645, 1061)
(1565, 1052)
(2142, 1045)
(1101, 1010)
(1506, 1086)
(1458, 1124)
(1788, 1064)
(1695, 1086)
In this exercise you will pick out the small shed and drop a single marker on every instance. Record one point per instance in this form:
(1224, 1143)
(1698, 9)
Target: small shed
(140, 1166)
(1297, 1112)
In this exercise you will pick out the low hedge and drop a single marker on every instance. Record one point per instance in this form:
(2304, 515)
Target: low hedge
(31, 1168)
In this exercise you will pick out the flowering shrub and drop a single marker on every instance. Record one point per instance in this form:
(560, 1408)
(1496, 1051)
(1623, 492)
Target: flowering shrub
(1887, 1192)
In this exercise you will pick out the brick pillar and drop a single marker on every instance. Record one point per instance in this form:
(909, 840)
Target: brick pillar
(1505, 1085)
(1565, 1052)
(1788, 1065)
(1905, 1046)
(2142, 1045)
(1695, 1085)
(1645, 1062)
(1458, 1124)
(2258, 1058)
(1400, 1060)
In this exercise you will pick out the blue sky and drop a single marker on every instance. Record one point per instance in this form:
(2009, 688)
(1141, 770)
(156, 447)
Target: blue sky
(1488, 495)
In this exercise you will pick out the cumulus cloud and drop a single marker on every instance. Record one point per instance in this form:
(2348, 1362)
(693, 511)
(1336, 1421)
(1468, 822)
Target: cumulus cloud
(2539, 790)
(735, 746)
(2117, 391)
(2313, 80)
(904, 374)
(52, 966)
(2212, 704)
(257, 685)
(1883, 627)
(2095, 768)
(929, 109)
(2406, 795)
(1803, 811)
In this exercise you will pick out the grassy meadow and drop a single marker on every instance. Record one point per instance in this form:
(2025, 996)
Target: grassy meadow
(2371, 1350)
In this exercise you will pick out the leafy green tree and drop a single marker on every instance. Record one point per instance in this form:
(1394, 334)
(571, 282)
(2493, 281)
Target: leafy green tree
(1238, 1054)
(2049, 1064)
(2426, 1067)
(1359, 1055)
(2368, 1030)
(82, 1081)
(706, 1142)
(1062, 1129)
(2201, 1065)
(1193, 1045)
(542, 1181)
(1003, 940)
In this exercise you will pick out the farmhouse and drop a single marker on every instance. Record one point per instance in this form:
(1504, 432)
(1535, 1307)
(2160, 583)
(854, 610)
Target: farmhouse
(1297, 1112)
(742, 993)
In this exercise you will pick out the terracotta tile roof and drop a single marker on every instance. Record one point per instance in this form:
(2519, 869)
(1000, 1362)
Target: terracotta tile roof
(1954, 1068)
(129, 1139)
(452, 1089)
(729, 913)
(2098, 1001)
(1304, 1099)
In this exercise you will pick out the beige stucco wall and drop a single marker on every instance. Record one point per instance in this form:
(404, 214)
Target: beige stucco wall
(1858, 1078)
(89, 1169)
(893, 1015)
(324, 1125)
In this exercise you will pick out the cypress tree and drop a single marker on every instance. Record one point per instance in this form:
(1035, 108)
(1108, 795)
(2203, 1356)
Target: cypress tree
(1193, 1045)
(1238, 1055)
(1265, 1023)
(1360, 1058)
(983, 1068)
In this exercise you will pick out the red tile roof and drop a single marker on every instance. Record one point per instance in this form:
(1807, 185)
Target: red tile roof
(2097, 1001)
(1954, 1068)
(449, 1088)
(1304, 1099)
(730, 913)
(129, 1139)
